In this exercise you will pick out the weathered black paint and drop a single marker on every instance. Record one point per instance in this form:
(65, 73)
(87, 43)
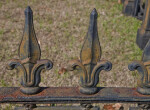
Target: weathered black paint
(29, 65)
(90, 56)
(134, 8)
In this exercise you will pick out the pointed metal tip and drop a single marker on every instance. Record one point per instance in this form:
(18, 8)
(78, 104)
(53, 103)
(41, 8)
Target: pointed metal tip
(94, 13)
(91, 50)
(94, 10)
(28, 10)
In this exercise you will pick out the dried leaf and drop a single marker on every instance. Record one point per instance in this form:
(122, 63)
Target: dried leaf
(62, 70)
(108, 107)
(116, 106)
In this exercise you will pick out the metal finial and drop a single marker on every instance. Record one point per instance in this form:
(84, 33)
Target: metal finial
(91, 50)
(29, 64)
(29, 47)
(90, 61)
(143, 68)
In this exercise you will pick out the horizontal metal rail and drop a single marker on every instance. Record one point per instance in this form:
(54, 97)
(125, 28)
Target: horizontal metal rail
(73, 95)
(89, 66)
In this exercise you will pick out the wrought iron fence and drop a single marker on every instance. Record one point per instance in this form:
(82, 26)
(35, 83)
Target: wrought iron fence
(89, 66)
(139, 9)
(134, 8)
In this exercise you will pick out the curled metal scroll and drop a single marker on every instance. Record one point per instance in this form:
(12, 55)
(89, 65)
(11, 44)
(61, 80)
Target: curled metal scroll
(29, 65)
(90, 62)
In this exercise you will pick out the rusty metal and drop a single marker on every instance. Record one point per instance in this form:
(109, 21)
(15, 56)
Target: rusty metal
(81, 107)
(60, 108)
(60, 95)
(143, 67)
(90, 62)
(29, 65)
(90, 65)
(143, 33)
(134, 8)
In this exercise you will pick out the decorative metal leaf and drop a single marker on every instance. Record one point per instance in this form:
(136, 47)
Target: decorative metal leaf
(91, 50)
(29, 47)
(140, 67)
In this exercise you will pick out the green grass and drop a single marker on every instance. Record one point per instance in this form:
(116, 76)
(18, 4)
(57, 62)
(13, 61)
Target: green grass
(61, 28)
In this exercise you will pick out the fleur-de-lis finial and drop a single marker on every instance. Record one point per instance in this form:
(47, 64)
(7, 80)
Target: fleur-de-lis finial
(90, 62)
(29, 65)
(143, 68)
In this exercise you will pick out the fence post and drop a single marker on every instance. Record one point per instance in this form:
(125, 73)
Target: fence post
(134, 8)
(143, 33)
(143, 68)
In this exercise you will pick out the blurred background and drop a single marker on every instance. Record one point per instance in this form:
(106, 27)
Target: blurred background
(60, 27)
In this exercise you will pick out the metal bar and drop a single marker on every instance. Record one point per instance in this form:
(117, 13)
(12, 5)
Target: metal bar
(134, 108)
(143, 34)
(59, 108)
(72, 95)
